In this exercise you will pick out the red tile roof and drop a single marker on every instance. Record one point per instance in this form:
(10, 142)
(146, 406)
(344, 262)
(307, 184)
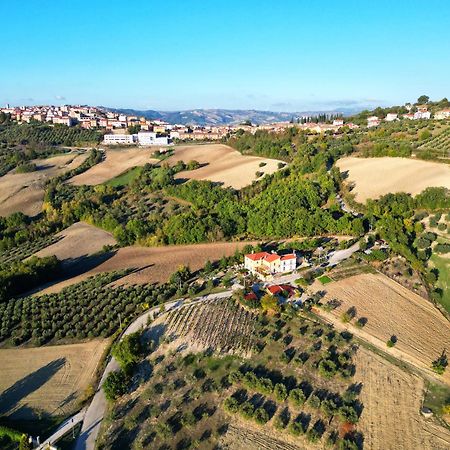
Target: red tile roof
(274, 289)
(250, 296)
(285, 257)
(257, 256)
(271, 258)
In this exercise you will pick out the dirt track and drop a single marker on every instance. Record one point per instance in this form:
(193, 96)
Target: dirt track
(24, 191)
(374, 177)
(223, 164)
(116, 162)
(48, 379)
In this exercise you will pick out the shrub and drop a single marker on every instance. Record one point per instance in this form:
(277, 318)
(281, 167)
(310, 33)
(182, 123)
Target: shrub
(115, 385)
(296, 428)
(247, 410)
(391, 341)
(231, 405)
(188, 419)
(314, 401)
(297, 397)
(280, 392)
(235, 377)
(327, 368)
(442, 248)
(261, 416)
(128, 351)
(280, 422)
(348, 414)
(439, 365)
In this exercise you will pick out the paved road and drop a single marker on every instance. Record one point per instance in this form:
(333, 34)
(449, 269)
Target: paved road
(96, 410)
(64, 428)
(339, 255)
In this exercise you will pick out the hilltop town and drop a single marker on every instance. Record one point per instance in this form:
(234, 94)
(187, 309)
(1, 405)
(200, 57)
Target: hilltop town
(123, 129)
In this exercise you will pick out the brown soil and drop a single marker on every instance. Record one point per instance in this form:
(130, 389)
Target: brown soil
(50, 379)
(78, 240)
(25, 191)
(242, 436)
(155, 264)
(222, 164)
(115, 162)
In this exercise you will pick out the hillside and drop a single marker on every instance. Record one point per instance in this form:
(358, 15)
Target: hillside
(225, 116)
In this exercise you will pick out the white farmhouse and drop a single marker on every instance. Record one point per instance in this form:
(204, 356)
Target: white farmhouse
(373, 121)
(390, 117)
(119, 139)
(146, 138)
(264, 263)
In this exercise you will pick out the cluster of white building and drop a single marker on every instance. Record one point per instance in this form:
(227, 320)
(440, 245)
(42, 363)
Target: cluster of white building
(159, 132)
(142, 138)
(422, 113)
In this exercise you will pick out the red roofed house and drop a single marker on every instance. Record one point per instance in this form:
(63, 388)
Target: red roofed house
(250, 296)
(285, 290)
(270, 263)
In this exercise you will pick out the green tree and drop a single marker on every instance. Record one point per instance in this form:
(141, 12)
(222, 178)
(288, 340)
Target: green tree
(270, 303)
(423, 99)
(115, 385)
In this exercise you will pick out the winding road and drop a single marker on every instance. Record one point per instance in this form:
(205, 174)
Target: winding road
(96, 410)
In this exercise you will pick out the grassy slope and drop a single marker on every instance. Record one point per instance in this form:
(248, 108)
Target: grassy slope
(125, 178)
(443, 265)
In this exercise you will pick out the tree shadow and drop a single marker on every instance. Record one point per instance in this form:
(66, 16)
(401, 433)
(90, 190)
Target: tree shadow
(11, 397)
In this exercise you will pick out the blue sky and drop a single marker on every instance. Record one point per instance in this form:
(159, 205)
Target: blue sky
(276, 55)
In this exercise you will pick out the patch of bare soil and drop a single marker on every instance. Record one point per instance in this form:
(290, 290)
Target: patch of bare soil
(49, 380)
(222, 164)
(155, 264)
(78, 240)
(116, 162)
(243, 437)
(392, 400)
(25, 191)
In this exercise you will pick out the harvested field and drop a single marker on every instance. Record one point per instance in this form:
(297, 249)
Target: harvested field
(24, 191)
(240, 437)
(392, 310)
(76, 241)
(115, 162)
(223, 164)
(221, 325)
(392, 399)
(46, 379)
(374, 177)
(155, 264)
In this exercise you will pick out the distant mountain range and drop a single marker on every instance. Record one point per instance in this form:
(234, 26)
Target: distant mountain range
(226, 116)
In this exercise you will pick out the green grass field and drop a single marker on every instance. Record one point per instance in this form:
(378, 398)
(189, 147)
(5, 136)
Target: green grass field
(324, 279)
(125, 178)
(443, 265)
